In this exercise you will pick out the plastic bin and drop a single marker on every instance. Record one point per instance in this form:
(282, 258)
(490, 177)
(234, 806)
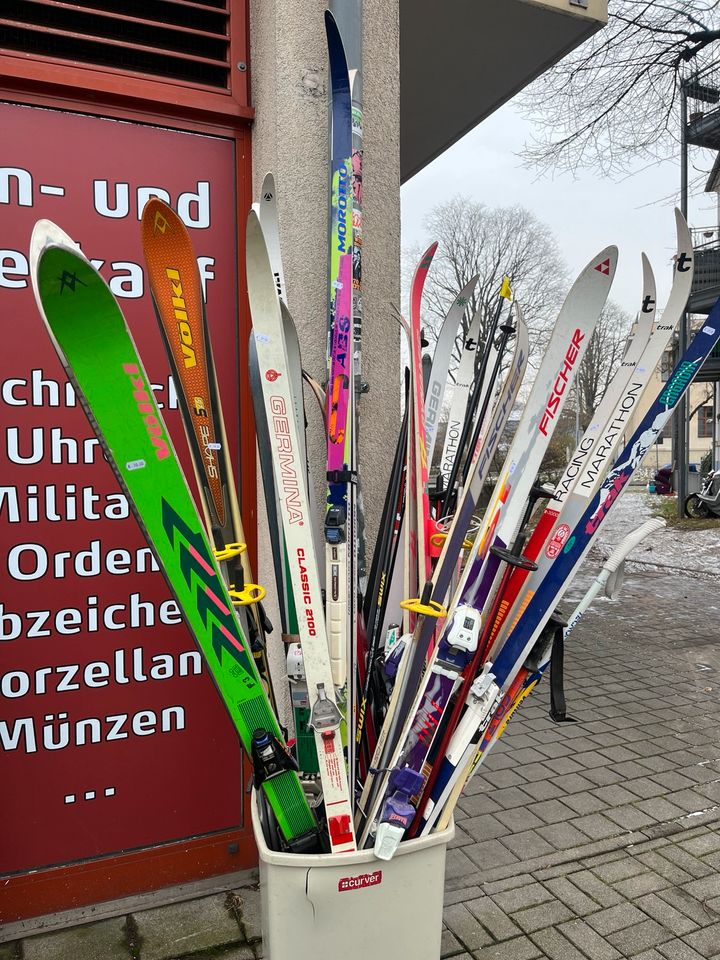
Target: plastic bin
(353, 906)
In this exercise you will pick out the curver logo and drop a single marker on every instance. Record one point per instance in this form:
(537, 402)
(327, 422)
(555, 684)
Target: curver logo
(364, 880)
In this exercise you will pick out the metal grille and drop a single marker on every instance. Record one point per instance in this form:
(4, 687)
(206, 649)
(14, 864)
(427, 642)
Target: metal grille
(183, 40)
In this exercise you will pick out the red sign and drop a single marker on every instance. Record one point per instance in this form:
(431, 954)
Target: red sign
(112, 736)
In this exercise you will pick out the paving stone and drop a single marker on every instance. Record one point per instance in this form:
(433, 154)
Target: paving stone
(498, 779)
(603, 776)
(573, 783)
(553, 811)
(462, 838)
(675, 921)
(619, 869)
(704, 889)
(705, 941)
(458, 864)
(489, 854)
(658, 763)
(678, 950)
(699, 846)
(449, 944)
(106, 939)
(701, 913)
(595, 888)
(245, 952)
(486, 827)
(614, 795)
(630, 770)
(521, 948)
(691, 801)
(477, 804)
(511, 797)
(495, 920)
(643, 883)
(616, 918)
(672, 780)
(520, 898)
(592, 759)
(584, 803)
(457, 891)
(546, 915)
(562, 836)
(597, 826)
(660, 864)
(518, 819)
(192, 926)
(509, 883)
(555, 946)
(588, 940)
(527, 844)
(466, 927)
(543, 790)
(246, 901)
(533, 772)
(564, 890)
(641, 936)
(684, 860)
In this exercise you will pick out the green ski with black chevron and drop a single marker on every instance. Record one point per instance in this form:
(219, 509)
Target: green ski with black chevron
(91, 337)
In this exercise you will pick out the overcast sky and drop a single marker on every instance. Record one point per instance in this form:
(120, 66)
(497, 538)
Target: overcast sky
(585, 214)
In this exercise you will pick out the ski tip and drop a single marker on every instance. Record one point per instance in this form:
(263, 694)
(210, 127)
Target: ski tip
(268, 191)
(684, 240)
(48, 234)
(603, 264)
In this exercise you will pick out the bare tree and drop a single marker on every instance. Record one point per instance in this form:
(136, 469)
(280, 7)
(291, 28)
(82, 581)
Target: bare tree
(616, 97)
(602, 358)
(492, 242)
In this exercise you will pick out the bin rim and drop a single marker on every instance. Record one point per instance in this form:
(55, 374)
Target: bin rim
(340, 859)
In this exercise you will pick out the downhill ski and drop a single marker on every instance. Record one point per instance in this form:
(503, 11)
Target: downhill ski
(180, 309)
(325, 718)
(89, 333)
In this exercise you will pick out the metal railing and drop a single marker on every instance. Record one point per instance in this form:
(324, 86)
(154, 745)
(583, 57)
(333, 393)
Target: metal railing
(706, 244)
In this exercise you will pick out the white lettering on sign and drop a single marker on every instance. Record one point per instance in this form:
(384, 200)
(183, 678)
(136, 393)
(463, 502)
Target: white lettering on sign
(132, 615)
(57, 731)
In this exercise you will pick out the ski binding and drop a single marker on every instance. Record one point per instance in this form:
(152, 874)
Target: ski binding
(397, 813)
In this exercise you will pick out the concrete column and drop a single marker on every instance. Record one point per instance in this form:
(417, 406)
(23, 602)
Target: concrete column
(289, 83)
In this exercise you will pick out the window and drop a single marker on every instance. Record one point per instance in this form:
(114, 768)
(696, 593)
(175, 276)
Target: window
(705, 422)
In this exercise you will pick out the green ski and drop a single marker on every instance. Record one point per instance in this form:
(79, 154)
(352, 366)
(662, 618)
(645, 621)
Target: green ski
(89, 333)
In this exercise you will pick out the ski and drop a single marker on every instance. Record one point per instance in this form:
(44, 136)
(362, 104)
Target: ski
(466, 446)
(437, 384)
(417, 512)
(338, 545)
(89, 333)
(431, 604)
(325, 718)
(461, 395)
(461, 647)
(593, 456)
(180, 310)
(528, 629)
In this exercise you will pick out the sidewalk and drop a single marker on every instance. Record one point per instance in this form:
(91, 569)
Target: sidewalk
(588, 841)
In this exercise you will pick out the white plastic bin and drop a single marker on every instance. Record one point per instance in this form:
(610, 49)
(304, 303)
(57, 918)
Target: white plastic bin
(353, 906)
